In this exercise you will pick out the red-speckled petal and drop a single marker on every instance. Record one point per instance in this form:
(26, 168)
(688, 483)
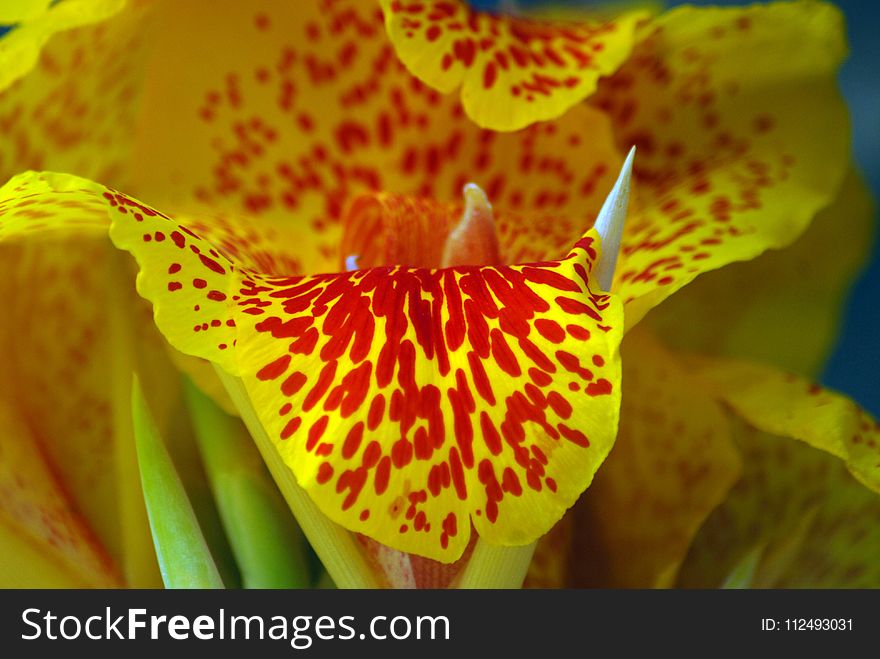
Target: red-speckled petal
(512, 71)
(295, 110)
(287, 112)
(192, 284)
(410, 400)
(742, 138)
(410, 403)
(70, 345)
(70, 83)
(788, 288)
(790, 406)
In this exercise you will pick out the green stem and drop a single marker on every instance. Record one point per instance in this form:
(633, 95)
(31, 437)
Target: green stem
(266, 542)
(337, 548)
(496, 567)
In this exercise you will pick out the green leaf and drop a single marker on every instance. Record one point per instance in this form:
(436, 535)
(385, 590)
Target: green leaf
(266, 541)
(184, 558)
(743, 574)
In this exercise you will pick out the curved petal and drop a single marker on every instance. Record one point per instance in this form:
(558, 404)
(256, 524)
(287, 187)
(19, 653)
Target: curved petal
(729, 163)
(789, 406)
(285, 120)
(512, 71)
(434, 353)
(70, 81)
(749, 310)
(672, 464)
(46, 204)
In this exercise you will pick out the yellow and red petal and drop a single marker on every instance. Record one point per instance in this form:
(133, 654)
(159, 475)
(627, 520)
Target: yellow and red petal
(295, 114)
(37, 23)
(729, 163)
(193, 285)
(363, 378)
(787, 405)
(802, 286)
(285, 120)
(771, 506)
(70, 80)
(513, 71)
(396, 362)
(49, 205)
(672, 464)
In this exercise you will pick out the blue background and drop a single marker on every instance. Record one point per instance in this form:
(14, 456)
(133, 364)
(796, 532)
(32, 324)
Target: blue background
(854, 366)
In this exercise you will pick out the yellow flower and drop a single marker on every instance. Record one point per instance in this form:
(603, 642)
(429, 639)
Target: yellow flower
(281, 139)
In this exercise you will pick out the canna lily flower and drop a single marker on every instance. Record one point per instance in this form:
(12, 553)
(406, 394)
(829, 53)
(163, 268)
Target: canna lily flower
(239, 151)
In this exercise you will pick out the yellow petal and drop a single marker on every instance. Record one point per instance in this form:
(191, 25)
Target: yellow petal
(191, 283)
(287, 111)
(69, 89)
(512, 71)
(19, 11)
(51, 338)
(294, 111)
(404, 360)
(841, 549)
(742, 138)
(789, 406)
(672, 464)
(20, 48)
(368, 431)
(798, 510)
(802, 286)
(53, 546)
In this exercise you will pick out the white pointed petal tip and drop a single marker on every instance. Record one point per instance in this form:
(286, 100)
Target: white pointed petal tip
(610, 221)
